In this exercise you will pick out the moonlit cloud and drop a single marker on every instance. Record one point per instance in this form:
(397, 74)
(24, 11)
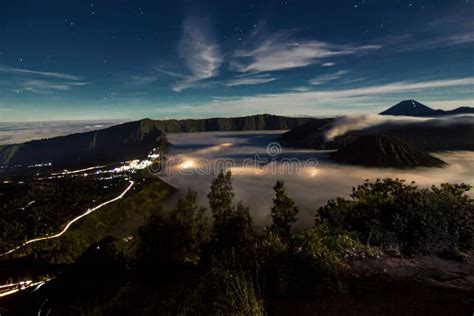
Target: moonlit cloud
(45, 86)
(211, 59)
(251, 80)
(346, 123)
(280, 52)
(409, 43)
(169, 73)
(327, 102)
(450, 104)
(301, 89)
(20, 71)
(142, 80)
(41, 82)
(328, 77)
(200, 53)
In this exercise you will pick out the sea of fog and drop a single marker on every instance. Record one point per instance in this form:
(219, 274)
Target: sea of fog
(310, 177)
(19, 132)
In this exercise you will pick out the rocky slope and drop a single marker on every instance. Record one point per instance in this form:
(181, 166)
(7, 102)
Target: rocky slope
(384, 151)
(120, 142)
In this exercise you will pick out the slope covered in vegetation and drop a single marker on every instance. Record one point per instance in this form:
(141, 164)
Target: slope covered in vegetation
(129, 140)
(182, 262)
(384, 151)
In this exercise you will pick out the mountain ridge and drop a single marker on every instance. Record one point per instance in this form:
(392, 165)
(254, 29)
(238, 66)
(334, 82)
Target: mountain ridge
(128, 140)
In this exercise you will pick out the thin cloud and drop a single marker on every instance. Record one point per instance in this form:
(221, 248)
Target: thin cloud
(46, 87)
(301, 89)
(320, 80)
(142, 80)
(328, 64)
(449, 104)
(251, 80)
(328, 102)
(21, 71)
(451, 29)
(410, 43)
(200, 53)
(169, 73)
(280, 52)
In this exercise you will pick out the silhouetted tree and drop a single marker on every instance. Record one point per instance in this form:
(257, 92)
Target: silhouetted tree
(232, 224)
(284, 211)
(194, 226)
(175, 237)
(221, 196)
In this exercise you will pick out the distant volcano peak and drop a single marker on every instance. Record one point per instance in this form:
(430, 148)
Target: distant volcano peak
(409, 108)
(415, 108)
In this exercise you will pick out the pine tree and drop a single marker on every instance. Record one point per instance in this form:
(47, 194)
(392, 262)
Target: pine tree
(175, 237)
(232, 223)
(284, 211)
(221, 196)
(193, 224)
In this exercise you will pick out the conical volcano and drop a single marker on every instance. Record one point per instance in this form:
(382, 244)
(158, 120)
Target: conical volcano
(384, 151)
(409, 108)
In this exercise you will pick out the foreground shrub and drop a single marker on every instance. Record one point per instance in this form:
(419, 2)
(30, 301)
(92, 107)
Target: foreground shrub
(392, 214)
(319, 256)
(174, 237)
(224, 291)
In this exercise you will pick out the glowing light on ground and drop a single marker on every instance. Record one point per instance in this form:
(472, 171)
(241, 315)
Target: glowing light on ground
(312, 172)
(187, 164)
(214, 148)
(247, 170)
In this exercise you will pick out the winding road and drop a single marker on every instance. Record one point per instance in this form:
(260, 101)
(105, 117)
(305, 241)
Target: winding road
(89, 211)
(12, 288)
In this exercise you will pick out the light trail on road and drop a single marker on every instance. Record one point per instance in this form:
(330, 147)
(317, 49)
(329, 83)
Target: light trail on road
(70, 223)
(20, 286)
(27, 205)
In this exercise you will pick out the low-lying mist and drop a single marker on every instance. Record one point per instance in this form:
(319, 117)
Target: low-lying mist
(345, 123)
(310, 186)
(19, 132)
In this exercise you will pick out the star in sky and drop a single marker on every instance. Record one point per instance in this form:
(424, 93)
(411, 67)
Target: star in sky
(154, 58)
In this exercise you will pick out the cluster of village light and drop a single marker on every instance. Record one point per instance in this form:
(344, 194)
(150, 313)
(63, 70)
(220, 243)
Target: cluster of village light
(137, 164)
(129, 166)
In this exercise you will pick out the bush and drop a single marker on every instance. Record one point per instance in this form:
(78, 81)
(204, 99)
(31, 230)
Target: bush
(175, 237)
(319, 256)
(390, 213)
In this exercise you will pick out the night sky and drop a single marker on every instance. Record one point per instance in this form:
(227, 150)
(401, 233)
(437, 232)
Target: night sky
(71, 59)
